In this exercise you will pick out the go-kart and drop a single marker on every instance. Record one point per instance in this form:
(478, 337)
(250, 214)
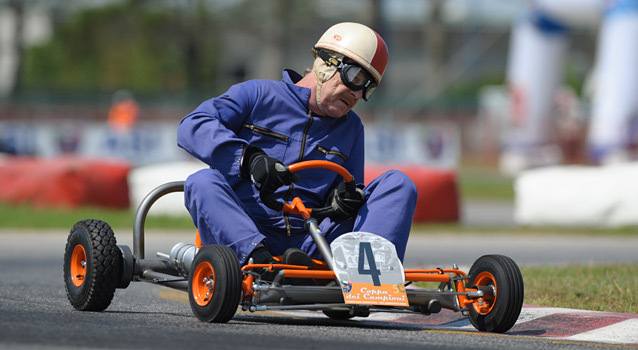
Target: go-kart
(360, 273)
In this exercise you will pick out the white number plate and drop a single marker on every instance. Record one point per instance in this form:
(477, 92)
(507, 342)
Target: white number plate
(369, 269)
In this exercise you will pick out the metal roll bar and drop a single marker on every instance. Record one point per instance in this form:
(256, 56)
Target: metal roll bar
(142, 211)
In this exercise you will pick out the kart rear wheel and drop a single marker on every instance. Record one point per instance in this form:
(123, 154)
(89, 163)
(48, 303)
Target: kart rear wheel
(214, 286)
(501, 276)
(92, 265)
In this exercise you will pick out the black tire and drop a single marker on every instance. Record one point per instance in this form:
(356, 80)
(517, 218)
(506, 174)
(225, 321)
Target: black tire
(217, 301)
(92, 265)
(502, 274)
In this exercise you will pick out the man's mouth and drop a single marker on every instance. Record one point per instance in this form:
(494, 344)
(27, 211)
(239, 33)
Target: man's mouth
(348, 102)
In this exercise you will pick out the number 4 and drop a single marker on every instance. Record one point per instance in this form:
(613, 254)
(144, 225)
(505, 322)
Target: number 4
(365, 253)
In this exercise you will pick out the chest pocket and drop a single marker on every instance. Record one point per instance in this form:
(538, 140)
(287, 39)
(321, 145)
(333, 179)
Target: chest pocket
(266, 132)
(332, 155)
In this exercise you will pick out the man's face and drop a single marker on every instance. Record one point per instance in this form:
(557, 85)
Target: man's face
(336, 98)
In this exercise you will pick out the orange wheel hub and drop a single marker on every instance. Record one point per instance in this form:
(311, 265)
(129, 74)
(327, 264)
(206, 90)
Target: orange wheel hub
(486, 279)
(78, 265)
(203, 286)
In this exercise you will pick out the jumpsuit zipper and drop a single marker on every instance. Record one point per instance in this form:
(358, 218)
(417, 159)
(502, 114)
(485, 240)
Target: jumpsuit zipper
(265, 131)
(337, 153)
(303, 148)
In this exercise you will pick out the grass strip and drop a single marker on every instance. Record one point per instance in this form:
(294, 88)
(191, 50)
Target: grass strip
(24, 216)
(595, 287)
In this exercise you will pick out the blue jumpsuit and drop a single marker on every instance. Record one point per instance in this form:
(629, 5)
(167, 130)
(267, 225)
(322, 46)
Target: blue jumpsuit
(275, 116)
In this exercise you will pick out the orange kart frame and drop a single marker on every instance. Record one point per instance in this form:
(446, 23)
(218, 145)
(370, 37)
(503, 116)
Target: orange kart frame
(491, 294)
(478, 296)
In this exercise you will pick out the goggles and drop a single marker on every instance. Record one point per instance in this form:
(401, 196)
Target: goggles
(352, 75)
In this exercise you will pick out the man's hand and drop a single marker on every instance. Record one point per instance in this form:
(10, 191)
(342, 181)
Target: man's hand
(266, 173)
(345, 202)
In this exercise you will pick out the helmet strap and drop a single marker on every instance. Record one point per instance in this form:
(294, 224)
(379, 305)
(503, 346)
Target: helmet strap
(322, 73)
(318, 93)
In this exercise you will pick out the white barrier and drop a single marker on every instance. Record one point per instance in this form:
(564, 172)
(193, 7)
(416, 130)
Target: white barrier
(143, 180)
(578, 196)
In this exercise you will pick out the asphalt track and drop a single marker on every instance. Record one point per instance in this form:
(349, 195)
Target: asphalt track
(35, 313)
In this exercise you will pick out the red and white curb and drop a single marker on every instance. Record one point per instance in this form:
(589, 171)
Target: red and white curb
(534, 321)
(578, 325)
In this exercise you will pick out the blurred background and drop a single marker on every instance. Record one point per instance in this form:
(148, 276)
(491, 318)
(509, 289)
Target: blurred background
(506, 86)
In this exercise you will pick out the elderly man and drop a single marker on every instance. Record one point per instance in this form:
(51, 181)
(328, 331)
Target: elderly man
(248, 135)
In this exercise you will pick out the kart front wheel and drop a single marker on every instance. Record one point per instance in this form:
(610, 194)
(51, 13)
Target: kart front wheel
(92, 265)
(500, 277)
(214, 286)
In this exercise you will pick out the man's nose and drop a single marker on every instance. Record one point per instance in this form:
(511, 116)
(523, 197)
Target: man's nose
(358, 94)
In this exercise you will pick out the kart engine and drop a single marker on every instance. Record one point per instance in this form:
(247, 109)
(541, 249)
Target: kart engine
(181, 257)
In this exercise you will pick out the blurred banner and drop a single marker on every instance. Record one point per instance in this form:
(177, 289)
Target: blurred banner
(614, 126)
(145, 144)
(535, 73)
(436, 145)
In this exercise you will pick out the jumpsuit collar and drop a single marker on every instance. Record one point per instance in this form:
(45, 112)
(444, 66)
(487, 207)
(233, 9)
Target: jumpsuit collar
(290, 77)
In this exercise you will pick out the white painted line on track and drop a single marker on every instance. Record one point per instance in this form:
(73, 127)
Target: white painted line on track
(624, 332)
(533, 313)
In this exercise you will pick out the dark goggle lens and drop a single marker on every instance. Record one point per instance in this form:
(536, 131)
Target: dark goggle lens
(357, 78)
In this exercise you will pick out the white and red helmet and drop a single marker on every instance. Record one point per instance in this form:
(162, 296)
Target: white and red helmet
(359, 43)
